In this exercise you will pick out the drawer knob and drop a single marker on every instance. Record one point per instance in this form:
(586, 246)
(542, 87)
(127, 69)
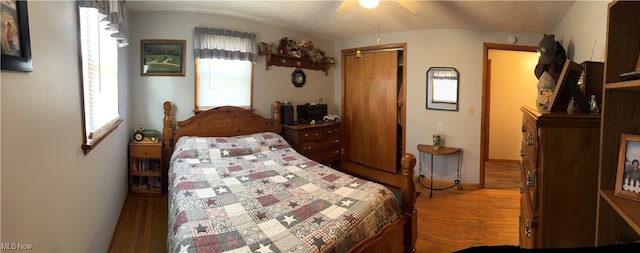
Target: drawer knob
(527, 228)
(520, 219)
(306, 135)
(529, 139)
(336, 141)
(329, 131)
(529, 178)
(521, 188)
(336, 152)
(317, 134)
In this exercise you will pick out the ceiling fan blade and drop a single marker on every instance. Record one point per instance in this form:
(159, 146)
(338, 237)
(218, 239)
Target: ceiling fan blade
(345, 6)
(411, 5)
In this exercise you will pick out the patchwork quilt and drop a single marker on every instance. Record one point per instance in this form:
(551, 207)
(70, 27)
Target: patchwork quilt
(254, 193)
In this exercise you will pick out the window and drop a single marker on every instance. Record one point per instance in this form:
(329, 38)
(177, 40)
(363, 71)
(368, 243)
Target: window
(222, 82)
(224, 67)
(99, 58)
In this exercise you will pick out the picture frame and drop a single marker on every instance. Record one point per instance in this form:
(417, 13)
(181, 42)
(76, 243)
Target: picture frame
(628, 170)
(443, 85)
(16, 42)
(162, 57)
(567, 88)
(264, 48)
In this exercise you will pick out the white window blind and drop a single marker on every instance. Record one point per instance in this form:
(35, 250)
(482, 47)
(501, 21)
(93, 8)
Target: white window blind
(99, 72)
(446, 83)
(223, 82)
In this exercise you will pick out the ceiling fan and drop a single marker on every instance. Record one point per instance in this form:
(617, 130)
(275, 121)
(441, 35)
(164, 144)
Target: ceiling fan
(411, 5)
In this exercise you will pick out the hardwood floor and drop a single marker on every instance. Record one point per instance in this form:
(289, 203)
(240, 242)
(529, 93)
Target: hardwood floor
(449, 221)
(502, 175)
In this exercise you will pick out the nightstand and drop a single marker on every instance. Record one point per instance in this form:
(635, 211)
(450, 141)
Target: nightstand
(145, 168)
(319, 142)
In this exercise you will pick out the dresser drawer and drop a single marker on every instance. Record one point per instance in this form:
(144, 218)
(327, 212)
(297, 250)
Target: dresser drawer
(332, 131)
(309, 134)
(326, 156)
(146, 152)
(527, 226)
(530, 141)
(529, 180)
(313, 146)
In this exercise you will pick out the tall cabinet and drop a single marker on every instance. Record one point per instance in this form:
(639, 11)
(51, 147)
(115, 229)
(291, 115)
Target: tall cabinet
(373, 112)
(618, 219)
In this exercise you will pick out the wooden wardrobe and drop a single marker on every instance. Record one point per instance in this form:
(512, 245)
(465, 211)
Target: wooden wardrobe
(373, 111)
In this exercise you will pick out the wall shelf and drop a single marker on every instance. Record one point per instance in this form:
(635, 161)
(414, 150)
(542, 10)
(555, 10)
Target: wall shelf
(295, 62)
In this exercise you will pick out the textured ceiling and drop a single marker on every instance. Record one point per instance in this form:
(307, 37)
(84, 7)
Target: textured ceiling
(320, 18)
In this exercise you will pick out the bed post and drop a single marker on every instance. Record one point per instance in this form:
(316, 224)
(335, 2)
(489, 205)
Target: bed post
(276, 117)
(167, 129)
(408, 199)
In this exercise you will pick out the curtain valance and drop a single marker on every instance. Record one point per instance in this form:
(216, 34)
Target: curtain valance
(215, 43)
(113, 13)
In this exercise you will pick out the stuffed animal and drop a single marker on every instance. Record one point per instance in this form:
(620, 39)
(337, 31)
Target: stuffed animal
(283, 47)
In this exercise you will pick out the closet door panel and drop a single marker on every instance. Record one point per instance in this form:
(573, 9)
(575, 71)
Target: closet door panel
(382, 110)
(371, 109)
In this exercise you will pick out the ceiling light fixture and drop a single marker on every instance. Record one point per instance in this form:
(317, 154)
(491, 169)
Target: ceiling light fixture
(369, 4)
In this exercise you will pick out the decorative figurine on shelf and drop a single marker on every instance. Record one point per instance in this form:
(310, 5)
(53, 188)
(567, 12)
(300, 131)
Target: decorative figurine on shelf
(282, 48)
(145, 135)
(593, 106)
(436, 141)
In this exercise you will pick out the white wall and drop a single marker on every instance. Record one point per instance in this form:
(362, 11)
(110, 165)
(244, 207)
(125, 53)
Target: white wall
(148, 93)
(583, 31)
(585, 23)
(461, 49)
(53, 196)
(513, 84)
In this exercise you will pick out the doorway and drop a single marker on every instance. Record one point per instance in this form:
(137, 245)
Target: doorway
(508, 83)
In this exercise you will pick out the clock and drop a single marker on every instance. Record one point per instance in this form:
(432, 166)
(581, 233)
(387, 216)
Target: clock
(138, 136)
(298, 78)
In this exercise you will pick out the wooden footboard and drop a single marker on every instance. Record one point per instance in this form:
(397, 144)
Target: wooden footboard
(399, 236)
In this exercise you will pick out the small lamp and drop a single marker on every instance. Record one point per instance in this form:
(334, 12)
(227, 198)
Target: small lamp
(369, 4)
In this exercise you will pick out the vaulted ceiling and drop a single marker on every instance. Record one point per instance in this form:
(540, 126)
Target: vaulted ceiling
(321, 19)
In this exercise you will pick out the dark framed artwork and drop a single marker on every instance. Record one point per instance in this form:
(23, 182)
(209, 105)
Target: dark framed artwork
(162, 57)
(628, 171)
(16, 44)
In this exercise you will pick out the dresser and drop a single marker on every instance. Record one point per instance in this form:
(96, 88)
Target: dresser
(319, 142)
(559, 179)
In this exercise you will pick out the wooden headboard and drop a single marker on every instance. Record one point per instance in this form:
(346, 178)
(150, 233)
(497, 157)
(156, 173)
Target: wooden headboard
(220, 121)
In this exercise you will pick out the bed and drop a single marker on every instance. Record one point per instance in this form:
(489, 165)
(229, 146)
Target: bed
(235, 185)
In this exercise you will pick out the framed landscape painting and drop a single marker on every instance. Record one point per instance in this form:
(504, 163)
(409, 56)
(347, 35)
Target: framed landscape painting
(162, 57)
(16, 44)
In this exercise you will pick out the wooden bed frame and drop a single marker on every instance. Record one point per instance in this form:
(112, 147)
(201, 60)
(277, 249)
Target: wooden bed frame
(399, 236)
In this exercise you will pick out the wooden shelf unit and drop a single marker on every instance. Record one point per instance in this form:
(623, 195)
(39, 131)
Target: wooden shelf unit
(618, 219)
(145, 168)
(295, 62)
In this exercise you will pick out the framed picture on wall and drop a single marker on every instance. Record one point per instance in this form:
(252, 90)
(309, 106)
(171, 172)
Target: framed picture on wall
(628, 171)
(162, 57)
(16, 44)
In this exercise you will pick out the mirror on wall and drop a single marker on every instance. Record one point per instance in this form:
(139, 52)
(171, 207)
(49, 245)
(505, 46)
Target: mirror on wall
(442, 88)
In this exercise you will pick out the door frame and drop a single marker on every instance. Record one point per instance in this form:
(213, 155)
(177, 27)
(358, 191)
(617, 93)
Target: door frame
(486, 98)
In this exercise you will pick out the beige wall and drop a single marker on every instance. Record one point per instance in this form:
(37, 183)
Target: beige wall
(149, 92)
(513, 84)
(53, 196)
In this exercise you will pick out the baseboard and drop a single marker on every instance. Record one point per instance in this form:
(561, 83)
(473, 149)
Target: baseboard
(503, 160)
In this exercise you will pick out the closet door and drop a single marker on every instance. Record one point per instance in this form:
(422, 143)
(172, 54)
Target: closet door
(370, 109)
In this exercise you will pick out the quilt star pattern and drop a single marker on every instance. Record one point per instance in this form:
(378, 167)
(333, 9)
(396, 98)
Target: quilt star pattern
(254, 193)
